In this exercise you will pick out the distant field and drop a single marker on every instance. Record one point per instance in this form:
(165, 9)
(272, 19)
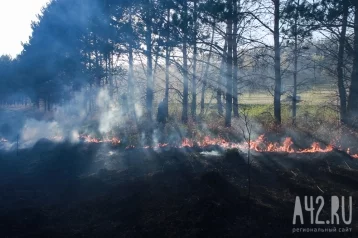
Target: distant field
(315, 105)
(309, 97)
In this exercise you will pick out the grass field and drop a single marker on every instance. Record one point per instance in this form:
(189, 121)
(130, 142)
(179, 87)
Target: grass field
(317, 103)
(309, 97)
(317, 112)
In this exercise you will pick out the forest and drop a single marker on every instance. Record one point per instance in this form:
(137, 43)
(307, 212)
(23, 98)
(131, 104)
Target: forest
(194, 54)
(181, 118)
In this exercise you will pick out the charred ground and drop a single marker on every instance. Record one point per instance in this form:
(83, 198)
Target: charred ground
(99, 190)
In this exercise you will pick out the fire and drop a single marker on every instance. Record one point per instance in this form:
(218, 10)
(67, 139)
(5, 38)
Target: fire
(187, 143)
(315, 147)
(161, 145)
(259, 145)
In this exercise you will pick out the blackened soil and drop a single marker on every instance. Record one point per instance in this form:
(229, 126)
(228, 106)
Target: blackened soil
(89, 190)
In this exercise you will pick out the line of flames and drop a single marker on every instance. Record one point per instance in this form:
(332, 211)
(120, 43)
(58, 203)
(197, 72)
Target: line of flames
(258, 145)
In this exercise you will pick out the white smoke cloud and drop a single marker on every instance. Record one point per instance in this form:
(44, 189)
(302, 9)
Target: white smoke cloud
(69, 119)
(72, 114)
(138, 110)
(34, 130)
(110, 116)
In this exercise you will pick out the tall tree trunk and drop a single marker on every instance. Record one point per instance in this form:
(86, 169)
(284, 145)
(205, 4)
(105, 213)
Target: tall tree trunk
(185, 65)
(193, 82)
(353, 90)
(277, 93)
(110, 78)
(167, 65)
(157, 51)
(206, 72)
(235, 62)
(221, 81)
(340, 65)
(111, 73)
(130, 95)
(148, 41)
(98, 78)
(294, 96)
(229, 67)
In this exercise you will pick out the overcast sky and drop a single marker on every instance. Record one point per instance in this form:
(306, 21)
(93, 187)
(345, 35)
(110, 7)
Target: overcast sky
(15, 23)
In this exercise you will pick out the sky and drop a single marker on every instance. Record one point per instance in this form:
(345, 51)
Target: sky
(15, 23)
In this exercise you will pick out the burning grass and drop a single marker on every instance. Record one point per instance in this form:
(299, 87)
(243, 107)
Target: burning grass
(260, 144)
(209, 131)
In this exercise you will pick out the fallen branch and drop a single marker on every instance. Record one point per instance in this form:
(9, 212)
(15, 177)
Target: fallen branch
(348, 165)
(320, 189)
(294, 173)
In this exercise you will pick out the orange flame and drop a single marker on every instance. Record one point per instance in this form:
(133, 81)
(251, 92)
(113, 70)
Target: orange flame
(355, 156)
(187, 143)
(315, 147)
(259, 145)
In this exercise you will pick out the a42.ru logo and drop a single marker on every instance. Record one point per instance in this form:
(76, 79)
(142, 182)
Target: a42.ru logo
(315, 205)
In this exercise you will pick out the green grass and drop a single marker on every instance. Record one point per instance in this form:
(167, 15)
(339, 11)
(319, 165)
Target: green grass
(303, 110)
(309, 116)
(259, 110)
(315, 97)
(314, 106)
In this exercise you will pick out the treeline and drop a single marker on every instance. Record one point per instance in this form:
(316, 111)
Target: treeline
(221, 46)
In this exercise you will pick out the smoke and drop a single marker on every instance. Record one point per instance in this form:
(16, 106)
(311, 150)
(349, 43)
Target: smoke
(72, 114)
(138, 110)
(110, 115)
(70, 120)
(97, 114)
(34, 130)
(247, 127)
